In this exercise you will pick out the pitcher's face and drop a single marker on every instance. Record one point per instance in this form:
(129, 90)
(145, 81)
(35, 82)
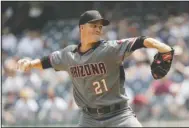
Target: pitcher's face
(92, 31)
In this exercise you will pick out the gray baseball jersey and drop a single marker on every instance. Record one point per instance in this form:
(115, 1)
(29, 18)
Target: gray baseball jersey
(96, 74)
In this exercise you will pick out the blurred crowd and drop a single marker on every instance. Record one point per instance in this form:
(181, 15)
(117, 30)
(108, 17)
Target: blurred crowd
(45, 97)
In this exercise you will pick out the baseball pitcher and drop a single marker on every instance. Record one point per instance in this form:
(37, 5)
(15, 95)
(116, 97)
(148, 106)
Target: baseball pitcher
(95, 67)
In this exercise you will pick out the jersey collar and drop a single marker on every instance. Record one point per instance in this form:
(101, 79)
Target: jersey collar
(94, 47)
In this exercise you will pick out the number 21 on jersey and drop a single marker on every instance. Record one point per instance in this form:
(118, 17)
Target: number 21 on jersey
(100, 86)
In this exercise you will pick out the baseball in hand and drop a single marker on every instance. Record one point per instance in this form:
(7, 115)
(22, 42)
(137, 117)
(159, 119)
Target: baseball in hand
(24, 64)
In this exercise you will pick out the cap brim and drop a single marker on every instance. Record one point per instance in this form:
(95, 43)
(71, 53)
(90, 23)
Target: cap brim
(104, 21)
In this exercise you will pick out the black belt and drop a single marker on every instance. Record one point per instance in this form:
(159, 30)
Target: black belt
(105, 109)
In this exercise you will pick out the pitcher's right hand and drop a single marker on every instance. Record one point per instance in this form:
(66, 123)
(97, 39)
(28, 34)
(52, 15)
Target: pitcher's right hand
(24, 64)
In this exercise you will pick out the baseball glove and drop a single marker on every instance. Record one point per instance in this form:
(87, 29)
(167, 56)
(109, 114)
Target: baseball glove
(161, 64)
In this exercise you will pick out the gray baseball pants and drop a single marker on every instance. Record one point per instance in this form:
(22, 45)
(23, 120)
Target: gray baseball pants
(123, 118)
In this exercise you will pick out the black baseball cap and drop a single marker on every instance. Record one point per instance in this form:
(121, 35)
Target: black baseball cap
(91, 16)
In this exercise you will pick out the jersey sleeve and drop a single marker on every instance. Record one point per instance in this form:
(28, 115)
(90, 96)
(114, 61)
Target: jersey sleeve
(124, 47)
(58, 59)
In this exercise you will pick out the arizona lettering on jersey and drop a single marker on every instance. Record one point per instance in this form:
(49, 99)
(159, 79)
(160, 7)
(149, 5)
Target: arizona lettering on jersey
(88, 69)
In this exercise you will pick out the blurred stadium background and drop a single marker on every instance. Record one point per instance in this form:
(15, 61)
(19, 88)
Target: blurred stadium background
(44, 98)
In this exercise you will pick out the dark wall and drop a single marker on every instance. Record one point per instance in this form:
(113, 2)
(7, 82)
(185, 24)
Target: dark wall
(73, 9)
